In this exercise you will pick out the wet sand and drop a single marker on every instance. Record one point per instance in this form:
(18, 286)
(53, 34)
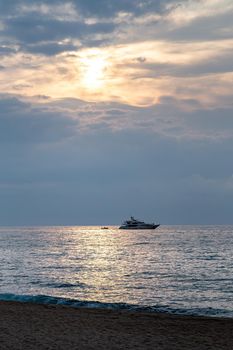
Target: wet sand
(30, 326)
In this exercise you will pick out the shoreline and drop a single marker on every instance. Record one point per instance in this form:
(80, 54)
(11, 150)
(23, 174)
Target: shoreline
(34, 326)
(93, 304)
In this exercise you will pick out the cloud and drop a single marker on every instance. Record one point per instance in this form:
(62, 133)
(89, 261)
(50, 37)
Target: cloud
(22, 123)
(90, 22)
(203, 62)
(49, 48)
(144, 46)
(61, 159)
(64, 180)
(104, 8)
(31, 30)
(127, 104)
(203, 28)
(5, 51)
(42, 120)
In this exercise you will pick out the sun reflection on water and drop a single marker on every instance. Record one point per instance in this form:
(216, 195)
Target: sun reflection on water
(169, 266)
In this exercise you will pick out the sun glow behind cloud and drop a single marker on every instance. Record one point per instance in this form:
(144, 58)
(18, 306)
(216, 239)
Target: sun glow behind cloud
(94, 67)
(133, 69)
(137, 74)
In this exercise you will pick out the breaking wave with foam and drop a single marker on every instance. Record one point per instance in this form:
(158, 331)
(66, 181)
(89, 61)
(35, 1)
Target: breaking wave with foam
(50, 300)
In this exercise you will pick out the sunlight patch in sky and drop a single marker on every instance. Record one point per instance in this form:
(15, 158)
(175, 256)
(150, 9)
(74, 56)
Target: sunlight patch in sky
(191, 10)
(129, 69)
(136, 74)
(93, 69)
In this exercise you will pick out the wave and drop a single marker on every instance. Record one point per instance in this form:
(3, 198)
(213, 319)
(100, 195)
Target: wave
(54, 285)
(51, 300)
(65, 285)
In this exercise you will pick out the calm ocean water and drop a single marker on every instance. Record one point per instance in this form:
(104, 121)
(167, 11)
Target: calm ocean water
(180, 269)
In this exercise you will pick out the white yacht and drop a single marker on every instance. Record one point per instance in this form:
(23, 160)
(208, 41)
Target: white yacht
(134, 224)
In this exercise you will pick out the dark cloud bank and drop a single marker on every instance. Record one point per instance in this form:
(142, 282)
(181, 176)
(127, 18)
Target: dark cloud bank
(53, 172)
(39, 31)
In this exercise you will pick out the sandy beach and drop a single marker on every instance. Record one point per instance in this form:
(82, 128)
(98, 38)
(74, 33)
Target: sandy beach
(30, 326)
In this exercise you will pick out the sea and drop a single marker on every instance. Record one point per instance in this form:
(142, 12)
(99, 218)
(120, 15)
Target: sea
(184, 270)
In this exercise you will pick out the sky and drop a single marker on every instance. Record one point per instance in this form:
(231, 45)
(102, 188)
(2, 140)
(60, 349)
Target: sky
(116, 108)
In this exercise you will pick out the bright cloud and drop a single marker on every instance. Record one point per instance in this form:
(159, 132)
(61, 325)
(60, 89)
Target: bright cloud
(119, 73)
(188, 11)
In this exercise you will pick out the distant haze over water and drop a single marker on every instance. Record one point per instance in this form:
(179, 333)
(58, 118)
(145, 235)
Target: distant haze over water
(182, 269)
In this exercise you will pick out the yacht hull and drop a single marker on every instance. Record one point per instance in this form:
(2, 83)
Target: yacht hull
(141, 227)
